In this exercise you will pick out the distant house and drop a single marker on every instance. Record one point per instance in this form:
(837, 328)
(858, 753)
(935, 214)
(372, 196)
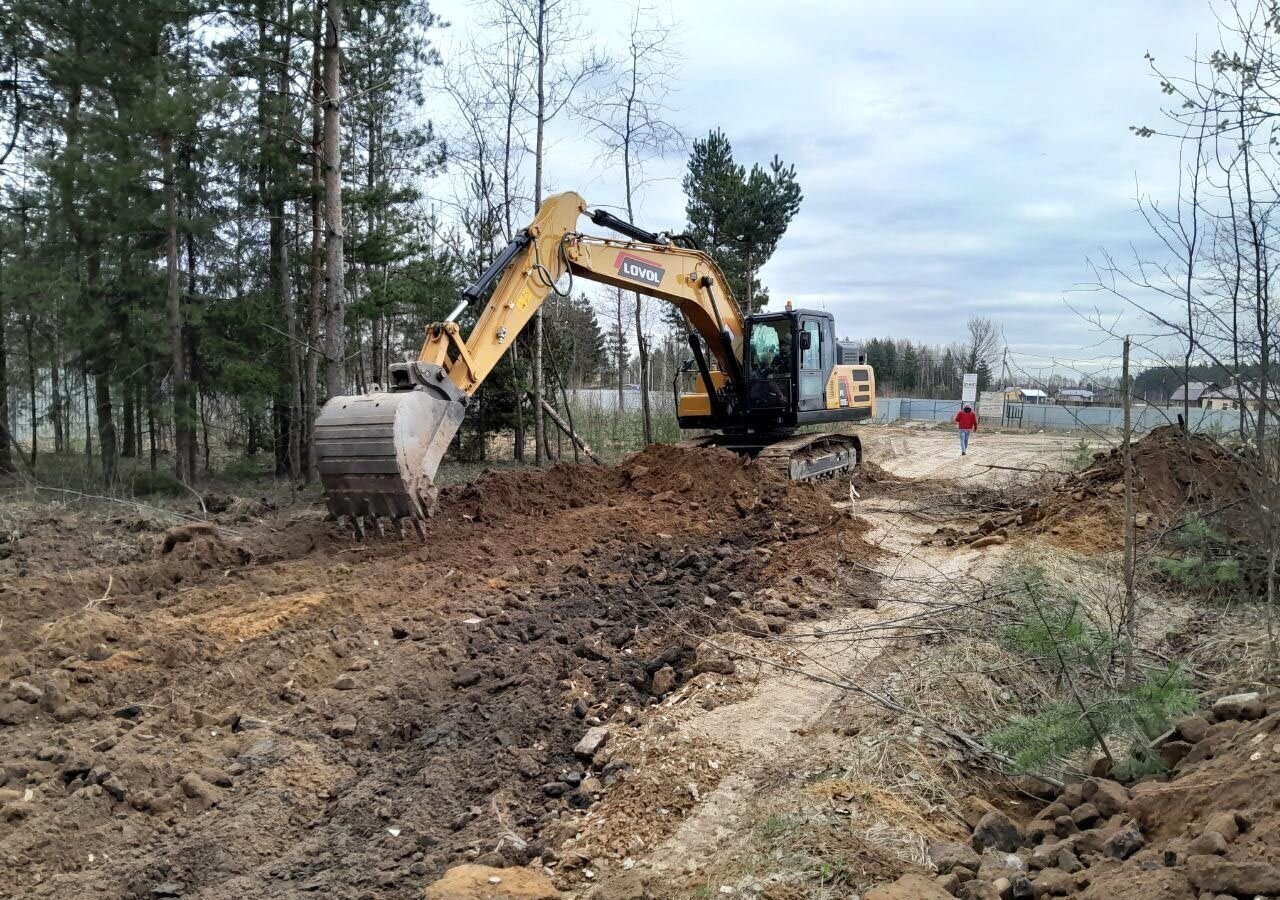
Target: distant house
(1075, 397)
(1025, 395)
(1190, 392)
(1235, 396)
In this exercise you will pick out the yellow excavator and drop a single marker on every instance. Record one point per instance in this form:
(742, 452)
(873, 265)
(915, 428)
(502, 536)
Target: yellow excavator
(759, 378)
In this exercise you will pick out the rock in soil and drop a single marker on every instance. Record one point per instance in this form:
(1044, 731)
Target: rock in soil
(592, 741)
(909, 887)
(996, 831)
(486, 883)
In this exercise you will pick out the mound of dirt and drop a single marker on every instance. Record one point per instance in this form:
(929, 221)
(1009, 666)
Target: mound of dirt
(1174, 474)
(352, 719)
(709, 479)
(1209, 829)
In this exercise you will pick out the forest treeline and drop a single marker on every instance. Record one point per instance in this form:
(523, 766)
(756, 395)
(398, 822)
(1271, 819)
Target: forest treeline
(215, 216)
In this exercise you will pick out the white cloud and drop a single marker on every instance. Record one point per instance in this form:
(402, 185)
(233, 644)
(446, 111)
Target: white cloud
(956, 157)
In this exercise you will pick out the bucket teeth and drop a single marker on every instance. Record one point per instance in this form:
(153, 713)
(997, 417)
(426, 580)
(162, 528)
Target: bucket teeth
(357, 523)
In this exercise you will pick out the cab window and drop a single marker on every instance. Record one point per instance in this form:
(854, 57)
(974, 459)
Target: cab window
(771, 348)
(811, 346)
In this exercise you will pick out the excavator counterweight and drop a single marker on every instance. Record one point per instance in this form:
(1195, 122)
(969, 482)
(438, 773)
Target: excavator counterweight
(761, 378)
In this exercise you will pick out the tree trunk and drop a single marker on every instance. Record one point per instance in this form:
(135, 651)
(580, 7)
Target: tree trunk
(31, 390)
(642, 345)
(335, 304)
(88, 418)
(129, 413)
(518, 450)
(106, 423)
(315, 301)
(182, 431)
(56, 415)
(6, 438)
(539, 427)
(153, 449)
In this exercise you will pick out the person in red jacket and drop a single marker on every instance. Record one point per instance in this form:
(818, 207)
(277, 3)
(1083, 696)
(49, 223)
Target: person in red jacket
(967, 422)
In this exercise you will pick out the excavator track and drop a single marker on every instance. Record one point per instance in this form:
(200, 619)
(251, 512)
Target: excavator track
(798, 457)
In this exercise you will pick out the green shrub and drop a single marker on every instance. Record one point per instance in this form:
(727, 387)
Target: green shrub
(245, 468)
(1080, 457)
(1095, 710)
(158, 483)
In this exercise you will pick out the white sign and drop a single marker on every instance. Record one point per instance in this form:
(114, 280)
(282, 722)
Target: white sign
(969, 391)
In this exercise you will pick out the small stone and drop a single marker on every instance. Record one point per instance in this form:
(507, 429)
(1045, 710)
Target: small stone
(1244, 707)
(1064, 825)
(114, 786)
(749, 622)
(1212, 873)
(1108, 797)
(996, 864)
(343, 726)
(1210, 842)
(1099, 766)
(1124, 843)
(973, 809)
(947, 856)
(555, 788)
(99, 652)
(1054, 883)
(25, 691)
(15, 712)
(909, 887)
(196, 788)
(592, 741)
(344, 683)
(664, 680)
(1229, 824)
(168, 889)
(1085, 815)
(998, 831)
(70, 711)
(1071, 795)
(1053, 810)
(1192, 729)
(1174, 752)
(465, 678)
(1068, 861)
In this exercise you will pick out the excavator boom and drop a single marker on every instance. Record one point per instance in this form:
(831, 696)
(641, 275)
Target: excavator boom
(378, 453)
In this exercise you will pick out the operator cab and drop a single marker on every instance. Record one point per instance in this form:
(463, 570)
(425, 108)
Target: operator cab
(795, 373)
(790, 356)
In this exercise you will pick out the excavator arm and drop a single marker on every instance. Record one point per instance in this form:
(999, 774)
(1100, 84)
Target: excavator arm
(378, 453)
(528, 271)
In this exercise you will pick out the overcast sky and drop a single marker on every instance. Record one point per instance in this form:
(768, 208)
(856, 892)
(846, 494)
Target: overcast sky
(957, 158)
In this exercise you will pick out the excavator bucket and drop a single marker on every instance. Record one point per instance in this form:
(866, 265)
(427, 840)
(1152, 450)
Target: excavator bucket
(378, 453)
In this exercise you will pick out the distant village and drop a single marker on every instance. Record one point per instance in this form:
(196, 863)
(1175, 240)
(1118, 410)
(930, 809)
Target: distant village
(1200, 395)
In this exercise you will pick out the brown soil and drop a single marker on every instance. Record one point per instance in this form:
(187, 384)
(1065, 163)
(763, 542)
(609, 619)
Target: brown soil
(1174, 475)
(1209, 829)
(275, 709)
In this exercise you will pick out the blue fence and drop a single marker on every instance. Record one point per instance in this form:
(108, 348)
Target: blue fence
(1049, 417)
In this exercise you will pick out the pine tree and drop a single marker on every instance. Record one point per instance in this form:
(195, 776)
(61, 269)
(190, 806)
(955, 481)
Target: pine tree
(738, 217)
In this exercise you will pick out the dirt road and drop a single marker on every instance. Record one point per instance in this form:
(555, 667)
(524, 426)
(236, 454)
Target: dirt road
(276, 711)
